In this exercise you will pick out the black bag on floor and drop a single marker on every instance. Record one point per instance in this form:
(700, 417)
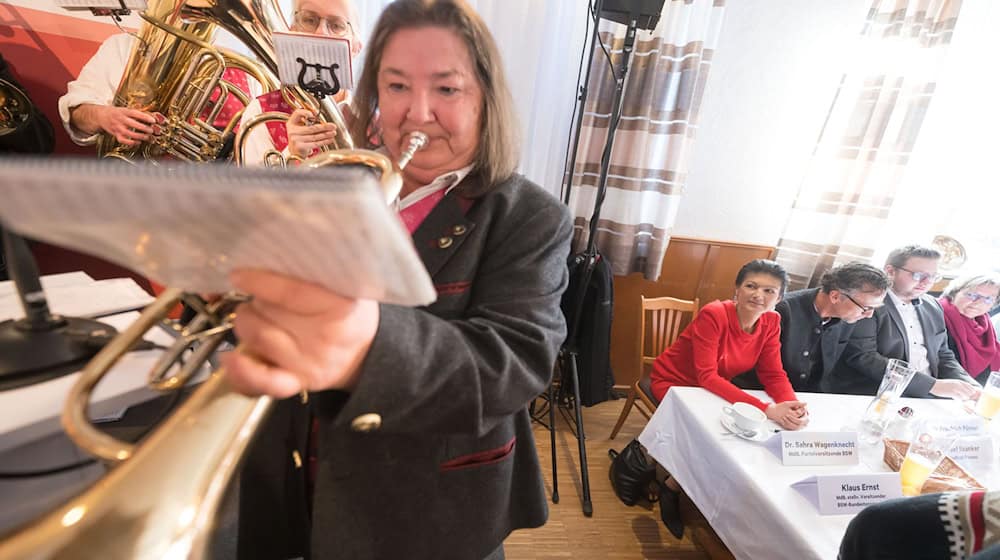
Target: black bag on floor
(631, 473)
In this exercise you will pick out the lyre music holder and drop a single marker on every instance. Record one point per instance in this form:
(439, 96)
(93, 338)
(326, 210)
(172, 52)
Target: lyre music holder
(319, 87)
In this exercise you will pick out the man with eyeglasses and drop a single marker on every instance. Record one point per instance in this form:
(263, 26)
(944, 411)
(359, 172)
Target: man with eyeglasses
(910, 327)
(300, 135)
(817, 323)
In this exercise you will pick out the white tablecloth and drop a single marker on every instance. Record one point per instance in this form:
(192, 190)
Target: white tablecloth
(742, 488)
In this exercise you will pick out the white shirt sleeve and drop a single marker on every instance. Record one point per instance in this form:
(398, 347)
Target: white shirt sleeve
(97, 83)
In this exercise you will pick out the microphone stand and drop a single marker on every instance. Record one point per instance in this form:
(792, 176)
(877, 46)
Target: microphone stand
(587, 261)
(41, 346)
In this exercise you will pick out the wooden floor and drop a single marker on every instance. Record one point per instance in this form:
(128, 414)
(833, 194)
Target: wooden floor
(615, 531)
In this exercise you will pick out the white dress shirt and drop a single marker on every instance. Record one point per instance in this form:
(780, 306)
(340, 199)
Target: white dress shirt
(914, 334)
(97, 83)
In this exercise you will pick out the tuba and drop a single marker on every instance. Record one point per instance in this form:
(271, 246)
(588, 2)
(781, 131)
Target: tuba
(174, 69)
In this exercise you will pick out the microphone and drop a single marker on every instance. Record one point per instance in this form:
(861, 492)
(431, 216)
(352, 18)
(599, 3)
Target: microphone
(41, 346)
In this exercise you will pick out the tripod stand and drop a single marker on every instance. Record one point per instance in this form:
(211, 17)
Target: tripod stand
(635, 14)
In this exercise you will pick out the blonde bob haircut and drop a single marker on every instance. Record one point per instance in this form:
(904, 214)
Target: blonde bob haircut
(497, 155)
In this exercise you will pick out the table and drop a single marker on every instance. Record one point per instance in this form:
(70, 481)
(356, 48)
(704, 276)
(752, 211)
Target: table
(742, 488)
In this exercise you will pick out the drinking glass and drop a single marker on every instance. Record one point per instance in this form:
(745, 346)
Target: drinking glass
(897, 376)
(989, 400)
(929, 446)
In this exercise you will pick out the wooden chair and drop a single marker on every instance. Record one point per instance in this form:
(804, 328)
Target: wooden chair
(664, 316)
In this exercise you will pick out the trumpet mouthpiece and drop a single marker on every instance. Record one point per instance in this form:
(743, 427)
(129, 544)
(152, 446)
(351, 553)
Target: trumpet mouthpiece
(416, 141)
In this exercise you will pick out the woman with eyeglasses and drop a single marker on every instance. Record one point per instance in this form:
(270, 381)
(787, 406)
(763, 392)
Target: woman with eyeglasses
(300, 135)
(966, 303)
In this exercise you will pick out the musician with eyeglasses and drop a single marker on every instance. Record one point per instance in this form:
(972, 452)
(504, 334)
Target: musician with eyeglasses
(909, 327)
(301, 135)
(971, 336)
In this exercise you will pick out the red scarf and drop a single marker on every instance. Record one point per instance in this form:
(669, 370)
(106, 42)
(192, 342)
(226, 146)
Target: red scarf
(975, 339)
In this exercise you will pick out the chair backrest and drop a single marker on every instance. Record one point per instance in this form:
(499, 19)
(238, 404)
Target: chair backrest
(661, 322)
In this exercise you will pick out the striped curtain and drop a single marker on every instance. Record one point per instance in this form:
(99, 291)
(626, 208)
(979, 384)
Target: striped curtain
(652, 148)
(864, 146)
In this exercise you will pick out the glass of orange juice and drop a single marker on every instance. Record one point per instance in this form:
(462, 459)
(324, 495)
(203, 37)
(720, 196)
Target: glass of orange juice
(928, 448)
(989, 400)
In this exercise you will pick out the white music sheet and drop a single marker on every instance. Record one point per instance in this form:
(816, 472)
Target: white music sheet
(313, 49)
(191, 225)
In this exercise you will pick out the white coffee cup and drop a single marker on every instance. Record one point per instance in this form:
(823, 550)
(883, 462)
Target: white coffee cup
(747, 417)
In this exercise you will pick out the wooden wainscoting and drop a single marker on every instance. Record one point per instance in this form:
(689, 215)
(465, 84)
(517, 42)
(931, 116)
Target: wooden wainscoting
(692, 268)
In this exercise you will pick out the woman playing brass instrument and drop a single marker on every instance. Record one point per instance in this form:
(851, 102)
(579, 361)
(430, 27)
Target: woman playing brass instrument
(425, 447)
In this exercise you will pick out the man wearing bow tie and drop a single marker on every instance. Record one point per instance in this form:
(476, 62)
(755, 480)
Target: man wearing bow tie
(910, 327)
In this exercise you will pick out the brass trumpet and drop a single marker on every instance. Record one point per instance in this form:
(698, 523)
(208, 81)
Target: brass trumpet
(161, 497)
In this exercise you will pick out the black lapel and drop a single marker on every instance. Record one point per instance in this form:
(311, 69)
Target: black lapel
(897, 320)
(443, 231)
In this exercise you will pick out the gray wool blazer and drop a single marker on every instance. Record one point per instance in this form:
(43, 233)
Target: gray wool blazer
(883, 336)
(452, 469)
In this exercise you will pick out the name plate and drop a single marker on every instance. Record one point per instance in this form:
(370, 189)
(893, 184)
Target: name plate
(819, 448)
(849, 493)
(975, 453)
(962, 427)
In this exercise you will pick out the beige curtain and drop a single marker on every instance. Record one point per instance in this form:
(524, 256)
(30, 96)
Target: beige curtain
(865, 144)
(652, 147)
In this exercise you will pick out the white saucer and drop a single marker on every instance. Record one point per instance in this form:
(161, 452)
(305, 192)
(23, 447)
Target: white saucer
(730, 425)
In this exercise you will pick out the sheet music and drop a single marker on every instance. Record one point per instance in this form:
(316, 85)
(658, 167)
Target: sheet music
(101, 4)
(191, 225)
(289, 47)
(91, 299)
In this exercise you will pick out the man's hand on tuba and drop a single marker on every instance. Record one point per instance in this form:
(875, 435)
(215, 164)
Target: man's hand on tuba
(128, 126)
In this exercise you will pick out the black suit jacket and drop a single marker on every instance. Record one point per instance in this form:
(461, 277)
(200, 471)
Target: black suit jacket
(883, 336)
(801, 327)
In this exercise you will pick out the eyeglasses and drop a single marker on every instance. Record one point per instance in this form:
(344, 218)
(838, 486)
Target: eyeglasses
(976, 298)
(310, 21)
(921, 276)
(863, 308)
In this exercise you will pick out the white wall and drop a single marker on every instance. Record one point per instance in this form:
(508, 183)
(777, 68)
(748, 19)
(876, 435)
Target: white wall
(772, 80)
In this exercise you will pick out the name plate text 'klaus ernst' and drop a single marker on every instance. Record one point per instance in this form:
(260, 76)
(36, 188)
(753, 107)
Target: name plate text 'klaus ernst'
(849, 493)
(819, 448)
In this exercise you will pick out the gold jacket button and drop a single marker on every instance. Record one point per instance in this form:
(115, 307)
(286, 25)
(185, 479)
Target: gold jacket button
(444, 242)
(459, 230)
(366, 422)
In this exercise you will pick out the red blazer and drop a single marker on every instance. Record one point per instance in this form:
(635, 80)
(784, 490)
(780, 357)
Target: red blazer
(714, 349)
